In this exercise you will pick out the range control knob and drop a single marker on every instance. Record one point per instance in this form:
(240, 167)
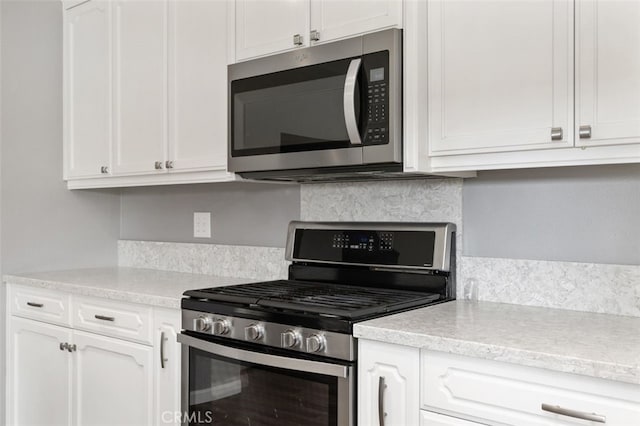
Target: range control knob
(202, 323)
(220, 327)
(253, 332)
(316, 343)
(289, 339)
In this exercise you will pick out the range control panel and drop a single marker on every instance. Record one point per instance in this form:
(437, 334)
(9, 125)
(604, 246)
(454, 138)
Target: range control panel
(376, 247)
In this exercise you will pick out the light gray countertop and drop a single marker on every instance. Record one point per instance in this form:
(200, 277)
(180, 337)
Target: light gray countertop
(596, 345)
(145, 286)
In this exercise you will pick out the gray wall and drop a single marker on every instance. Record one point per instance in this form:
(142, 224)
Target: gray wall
(44, 226)
(581, 214)
(241, 213)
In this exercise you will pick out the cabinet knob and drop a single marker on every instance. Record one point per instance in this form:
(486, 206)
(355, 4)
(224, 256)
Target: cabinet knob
(104, 169)
(585, 132)
(314, 35)
(297, 40)
(556, 133)
(63, 346)
(168, 164)
(158, 165)
(71, 348)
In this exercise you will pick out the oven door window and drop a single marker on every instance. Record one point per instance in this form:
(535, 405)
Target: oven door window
(290, 111)
(228, 392)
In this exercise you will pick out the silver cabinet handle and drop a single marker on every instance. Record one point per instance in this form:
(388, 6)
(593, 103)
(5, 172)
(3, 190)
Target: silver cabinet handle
(314, 35)
(349, 102)
(556, 409)
(162, 359)
(168, 164)
(158, 165)
(104, 170)
(104, 318)
(585, 132)
(63, 346)
(297, 40)
(381, 388)
(35, 305)
(556, 133)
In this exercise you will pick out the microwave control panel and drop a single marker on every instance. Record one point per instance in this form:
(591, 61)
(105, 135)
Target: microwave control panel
(376, 120)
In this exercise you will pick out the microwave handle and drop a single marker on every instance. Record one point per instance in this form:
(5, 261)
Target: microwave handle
(349, 102)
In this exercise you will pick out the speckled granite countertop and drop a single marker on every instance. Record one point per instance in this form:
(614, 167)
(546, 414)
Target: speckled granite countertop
(596, 345)
(145, 286)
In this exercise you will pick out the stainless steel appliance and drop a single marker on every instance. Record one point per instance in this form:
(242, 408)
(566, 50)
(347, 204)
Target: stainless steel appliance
(282, 352)
(334, 108)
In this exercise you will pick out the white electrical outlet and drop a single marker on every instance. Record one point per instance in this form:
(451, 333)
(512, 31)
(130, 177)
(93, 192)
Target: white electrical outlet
(202, 225)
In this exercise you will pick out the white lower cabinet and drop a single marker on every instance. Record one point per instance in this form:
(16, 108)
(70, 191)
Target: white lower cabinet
(112, 380)
(388, 384)
(428, 418)
(167, 366)
(57, 375)
(500, 393)
(429, 388)
(38, 373)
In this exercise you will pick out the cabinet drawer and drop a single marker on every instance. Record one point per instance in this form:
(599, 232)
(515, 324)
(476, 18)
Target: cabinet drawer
(110, 318)
(40, 304)
(499, 393)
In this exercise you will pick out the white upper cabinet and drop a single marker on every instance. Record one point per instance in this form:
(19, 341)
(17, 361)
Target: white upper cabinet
(87, 115)
(607, 72)
(198, 85)
(500, 75)
(269, 26)
(140, 99)
(265, 27)
(331, 20)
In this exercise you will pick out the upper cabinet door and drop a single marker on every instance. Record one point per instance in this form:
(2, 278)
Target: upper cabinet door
(140, 98)
(87, 89)
(608, 72)
(500, 75)
(332, 19)
(198, 84)
(264, 27)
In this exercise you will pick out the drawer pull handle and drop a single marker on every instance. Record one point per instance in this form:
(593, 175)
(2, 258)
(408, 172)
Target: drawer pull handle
(35, 305)
(105, 318)
(381, 387)
(556, 409)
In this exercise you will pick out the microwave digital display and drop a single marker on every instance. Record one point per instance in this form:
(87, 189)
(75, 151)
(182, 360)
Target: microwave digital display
(376, 74)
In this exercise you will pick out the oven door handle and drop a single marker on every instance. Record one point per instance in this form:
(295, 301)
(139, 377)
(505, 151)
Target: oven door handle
(287, 363)
(349, 102)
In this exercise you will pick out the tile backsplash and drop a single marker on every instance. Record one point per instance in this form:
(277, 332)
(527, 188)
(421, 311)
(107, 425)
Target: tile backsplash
(256, 263)
(604, 288)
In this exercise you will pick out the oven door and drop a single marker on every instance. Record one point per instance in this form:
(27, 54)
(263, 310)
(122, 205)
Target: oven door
(226, 385)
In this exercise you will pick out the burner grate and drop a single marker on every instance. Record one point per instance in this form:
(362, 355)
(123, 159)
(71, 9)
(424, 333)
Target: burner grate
(341, 300)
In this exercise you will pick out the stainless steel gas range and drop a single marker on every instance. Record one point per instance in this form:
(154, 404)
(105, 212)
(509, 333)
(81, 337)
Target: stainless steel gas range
(282, 352)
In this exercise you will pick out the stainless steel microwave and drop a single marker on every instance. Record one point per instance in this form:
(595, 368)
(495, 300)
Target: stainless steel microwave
(324, 111)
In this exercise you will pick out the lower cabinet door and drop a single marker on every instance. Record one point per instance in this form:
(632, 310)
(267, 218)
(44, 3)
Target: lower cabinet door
(388, 384)
(38, 374)
(167, 366)
(427, 418)
(113, 382)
